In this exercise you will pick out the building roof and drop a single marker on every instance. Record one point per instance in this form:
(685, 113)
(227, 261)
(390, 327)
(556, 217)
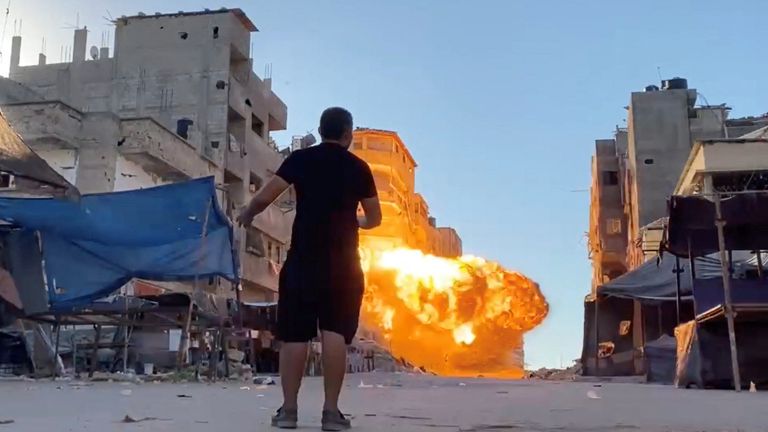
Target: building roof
(389, 133)
(236, 11)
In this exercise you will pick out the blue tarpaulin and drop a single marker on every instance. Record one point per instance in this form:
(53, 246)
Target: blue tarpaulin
(94, 246)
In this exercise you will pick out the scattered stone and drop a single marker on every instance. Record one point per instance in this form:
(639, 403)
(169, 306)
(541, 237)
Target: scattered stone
(129, 419)
(264, 381)
(548, 374)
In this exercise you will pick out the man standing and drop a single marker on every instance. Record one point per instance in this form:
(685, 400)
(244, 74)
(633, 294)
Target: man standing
(321, 283)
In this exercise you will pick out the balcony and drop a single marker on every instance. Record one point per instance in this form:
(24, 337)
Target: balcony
(46, 125)
(263, 160)
(260, 271)
(162, 152)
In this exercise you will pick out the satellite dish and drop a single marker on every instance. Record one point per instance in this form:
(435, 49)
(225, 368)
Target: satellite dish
(94, 52)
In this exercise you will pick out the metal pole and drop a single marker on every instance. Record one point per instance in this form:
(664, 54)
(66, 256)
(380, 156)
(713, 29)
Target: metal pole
(678, 270)
(125, 336)
(759, 263)
(720, 224)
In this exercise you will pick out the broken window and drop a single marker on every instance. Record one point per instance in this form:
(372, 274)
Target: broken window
(257, 125)
(214, 144)
(610, 178)
(182, 127)
(648, 161)
(613, 226)
(605, 349)
(624, 327)
(215, 32)
(183, 35)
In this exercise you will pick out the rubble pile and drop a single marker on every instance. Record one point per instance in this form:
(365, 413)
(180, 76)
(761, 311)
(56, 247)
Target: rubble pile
(569, 374)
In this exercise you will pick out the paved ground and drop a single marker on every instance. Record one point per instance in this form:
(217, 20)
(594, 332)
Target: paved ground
(383, 403)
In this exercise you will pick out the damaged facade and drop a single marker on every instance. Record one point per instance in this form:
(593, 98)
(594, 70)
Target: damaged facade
(177, 100)
(406, 218)
(633, 175)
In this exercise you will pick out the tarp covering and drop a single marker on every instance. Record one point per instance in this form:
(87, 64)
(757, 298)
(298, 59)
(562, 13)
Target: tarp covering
(692, 218)
(703, 354)
(18, 159)
(94, 246)
(655, 280)
(660, 360)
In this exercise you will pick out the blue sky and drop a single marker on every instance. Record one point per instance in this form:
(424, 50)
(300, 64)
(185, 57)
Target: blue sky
(499, 101)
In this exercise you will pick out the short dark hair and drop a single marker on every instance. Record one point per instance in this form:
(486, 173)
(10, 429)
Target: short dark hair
(334, 122)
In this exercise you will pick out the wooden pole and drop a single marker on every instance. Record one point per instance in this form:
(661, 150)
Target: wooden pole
(56, 350)
(724, 268)
(95, 352)
(759, 263)
(184, 340)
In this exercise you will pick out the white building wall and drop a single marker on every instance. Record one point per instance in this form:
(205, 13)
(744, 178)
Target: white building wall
(63, 161)
(130, 175)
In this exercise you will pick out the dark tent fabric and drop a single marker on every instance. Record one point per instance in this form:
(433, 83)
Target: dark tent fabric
(660, 360)
(692, 218)
(655, 280)
(703, 354)
(92, 247)
(18, 159)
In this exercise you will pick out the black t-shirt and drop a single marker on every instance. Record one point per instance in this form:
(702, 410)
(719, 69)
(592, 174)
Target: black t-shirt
(330, 181)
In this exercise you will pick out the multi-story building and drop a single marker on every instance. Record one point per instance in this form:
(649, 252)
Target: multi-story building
(406, 219)
(177, 100)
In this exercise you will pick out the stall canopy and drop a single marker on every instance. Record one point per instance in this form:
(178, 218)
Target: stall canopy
(692, 224)
(18, 159)
(92, 247)
(655, 280)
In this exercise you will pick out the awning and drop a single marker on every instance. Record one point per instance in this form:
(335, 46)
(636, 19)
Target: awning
(655, 280)
(692, 224)
(93, 247)
(18, 159)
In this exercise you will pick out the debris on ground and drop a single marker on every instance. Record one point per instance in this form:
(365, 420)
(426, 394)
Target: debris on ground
(364, 385)
(6, 422)
(129, 419)
(126, 392)
(568, 374)
(264, 380)
(593, 395)
(184, 396)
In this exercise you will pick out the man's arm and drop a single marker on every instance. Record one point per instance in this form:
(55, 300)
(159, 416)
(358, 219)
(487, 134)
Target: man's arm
(263, 198)
(371, 217)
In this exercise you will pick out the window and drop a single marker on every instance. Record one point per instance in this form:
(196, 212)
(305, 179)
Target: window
(610, 178)
(183, 35)
(6, 181)
(648, 161)
(257, 125)
(182, 127)
(215, 32)
(613, 226)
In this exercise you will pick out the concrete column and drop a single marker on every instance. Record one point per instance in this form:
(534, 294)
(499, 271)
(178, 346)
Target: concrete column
(15, 52)
(41, 59)
(78, 49)
(97, 157)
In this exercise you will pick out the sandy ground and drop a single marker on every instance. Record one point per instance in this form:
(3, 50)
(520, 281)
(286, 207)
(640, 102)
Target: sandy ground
(384, 402)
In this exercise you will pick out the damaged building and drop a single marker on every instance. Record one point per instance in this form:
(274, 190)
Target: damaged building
(175, 98)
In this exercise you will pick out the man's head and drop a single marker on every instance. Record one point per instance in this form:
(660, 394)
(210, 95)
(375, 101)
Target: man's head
(336, 126)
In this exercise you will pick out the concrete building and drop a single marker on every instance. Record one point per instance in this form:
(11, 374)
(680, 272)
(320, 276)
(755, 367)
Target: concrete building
(726, 165)
(607, 222)
(406, 219)
(177, 100)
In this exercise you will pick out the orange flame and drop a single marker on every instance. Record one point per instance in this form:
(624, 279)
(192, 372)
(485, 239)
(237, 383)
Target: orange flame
(456, 317)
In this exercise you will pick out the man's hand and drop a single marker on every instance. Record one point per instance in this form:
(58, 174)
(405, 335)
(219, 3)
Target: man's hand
(262, 200)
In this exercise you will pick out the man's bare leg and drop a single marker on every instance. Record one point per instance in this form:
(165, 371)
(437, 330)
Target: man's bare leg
(334, 368)
(293, 360)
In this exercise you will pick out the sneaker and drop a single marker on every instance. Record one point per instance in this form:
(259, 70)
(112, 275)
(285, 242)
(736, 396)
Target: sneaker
(335, 421)
(285, 419)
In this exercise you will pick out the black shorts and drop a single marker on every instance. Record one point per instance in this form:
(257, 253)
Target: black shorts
(315, 295)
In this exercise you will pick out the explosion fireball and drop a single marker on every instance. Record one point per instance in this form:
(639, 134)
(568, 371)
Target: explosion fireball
(456, 317)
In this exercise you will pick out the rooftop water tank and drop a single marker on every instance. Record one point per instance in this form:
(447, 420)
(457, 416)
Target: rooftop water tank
(676, 83)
